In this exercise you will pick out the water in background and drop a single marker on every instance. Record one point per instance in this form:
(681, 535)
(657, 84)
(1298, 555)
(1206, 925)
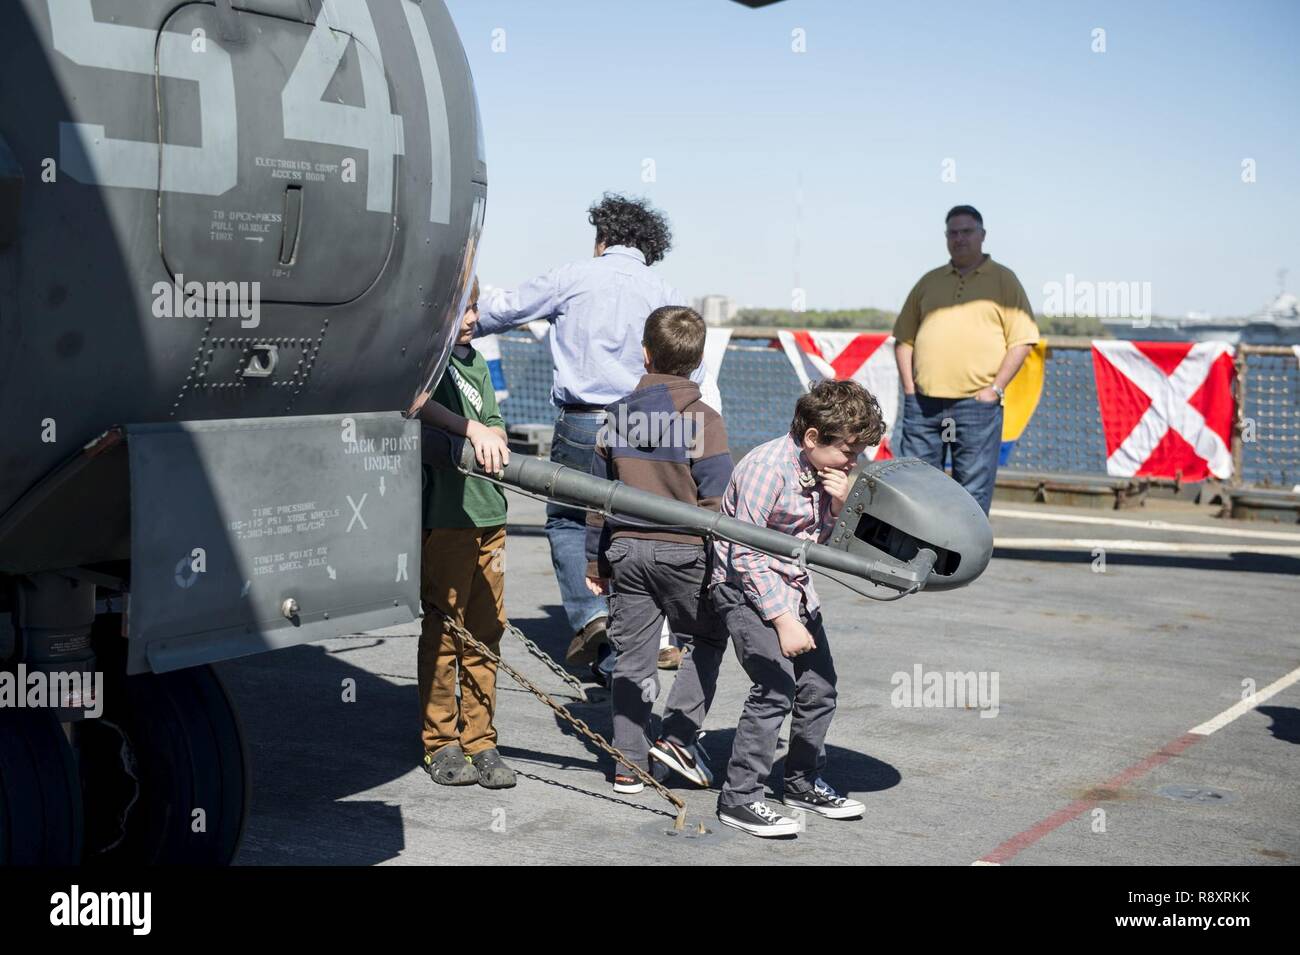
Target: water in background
(759, 390)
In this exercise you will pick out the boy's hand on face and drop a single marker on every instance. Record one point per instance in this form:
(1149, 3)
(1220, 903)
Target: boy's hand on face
(793, 636)
(490, 449)
(836, 483)
(599, 586)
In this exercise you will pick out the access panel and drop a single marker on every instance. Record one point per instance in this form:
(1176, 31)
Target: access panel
(278, 163)
(259, 533)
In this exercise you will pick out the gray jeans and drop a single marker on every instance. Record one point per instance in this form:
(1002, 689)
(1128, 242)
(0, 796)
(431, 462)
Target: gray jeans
(805, 684)
(653, 580)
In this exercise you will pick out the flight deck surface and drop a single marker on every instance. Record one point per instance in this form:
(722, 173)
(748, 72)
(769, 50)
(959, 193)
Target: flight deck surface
(1121, 735)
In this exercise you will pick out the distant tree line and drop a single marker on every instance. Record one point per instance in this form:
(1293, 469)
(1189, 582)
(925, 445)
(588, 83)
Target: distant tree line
(866, 319)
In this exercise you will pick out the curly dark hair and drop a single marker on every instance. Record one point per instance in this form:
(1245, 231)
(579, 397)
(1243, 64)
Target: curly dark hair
(840, 411)
(620, 220)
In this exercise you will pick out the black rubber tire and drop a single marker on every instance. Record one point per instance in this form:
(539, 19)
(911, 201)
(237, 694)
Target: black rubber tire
(40, 793)
(188, 753)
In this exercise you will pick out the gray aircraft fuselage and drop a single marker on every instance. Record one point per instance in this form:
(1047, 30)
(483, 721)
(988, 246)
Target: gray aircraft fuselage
(239, 209)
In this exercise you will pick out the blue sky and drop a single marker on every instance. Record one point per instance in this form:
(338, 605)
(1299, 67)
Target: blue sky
(1115, 166)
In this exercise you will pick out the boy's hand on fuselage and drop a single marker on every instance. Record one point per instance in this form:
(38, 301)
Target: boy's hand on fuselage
(793, 635)
(490, 448)
(836, 483)
(599, 586)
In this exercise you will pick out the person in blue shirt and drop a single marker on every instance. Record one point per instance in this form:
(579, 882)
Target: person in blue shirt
(597, 309)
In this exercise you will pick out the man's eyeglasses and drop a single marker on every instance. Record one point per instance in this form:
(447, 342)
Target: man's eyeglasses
(964, 233)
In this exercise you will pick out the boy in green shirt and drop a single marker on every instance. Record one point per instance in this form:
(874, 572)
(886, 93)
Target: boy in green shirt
(463, 576)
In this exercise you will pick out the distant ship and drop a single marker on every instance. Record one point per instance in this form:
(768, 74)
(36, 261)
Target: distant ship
(1278, 323)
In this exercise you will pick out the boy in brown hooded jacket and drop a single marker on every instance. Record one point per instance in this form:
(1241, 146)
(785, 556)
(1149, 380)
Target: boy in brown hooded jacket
(663, 439)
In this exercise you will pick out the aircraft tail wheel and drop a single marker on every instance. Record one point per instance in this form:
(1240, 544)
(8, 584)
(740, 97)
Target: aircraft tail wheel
(40, 794)
(165, 770)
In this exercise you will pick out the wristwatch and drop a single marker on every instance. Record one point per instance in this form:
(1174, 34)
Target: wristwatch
(1002, 395)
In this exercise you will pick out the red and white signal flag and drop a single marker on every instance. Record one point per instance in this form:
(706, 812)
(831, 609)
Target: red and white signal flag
(1167, 408)
(868, 359)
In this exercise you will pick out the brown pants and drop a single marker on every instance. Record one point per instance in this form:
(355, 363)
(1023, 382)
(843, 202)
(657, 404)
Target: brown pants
(462, 574)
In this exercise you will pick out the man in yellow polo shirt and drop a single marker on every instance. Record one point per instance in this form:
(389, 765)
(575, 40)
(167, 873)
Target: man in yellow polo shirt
(962, 335)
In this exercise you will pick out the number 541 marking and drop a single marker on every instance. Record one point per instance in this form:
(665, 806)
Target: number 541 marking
(90, 156)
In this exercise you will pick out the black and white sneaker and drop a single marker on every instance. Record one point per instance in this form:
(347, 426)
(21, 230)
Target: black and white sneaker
(627, 784)
(758, 819)
(686, 761)
(825, 801)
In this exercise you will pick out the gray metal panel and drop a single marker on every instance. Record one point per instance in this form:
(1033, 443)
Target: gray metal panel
(897, 507)
(82, 342)
(237, 236)
(230, 519)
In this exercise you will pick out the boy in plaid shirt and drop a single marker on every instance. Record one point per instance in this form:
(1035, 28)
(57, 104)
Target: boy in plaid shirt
(796, 484)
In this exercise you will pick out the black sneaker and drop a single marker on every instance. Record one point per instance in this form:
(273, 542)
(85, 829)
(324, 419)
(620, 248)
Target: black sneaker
(758, 819)
(825, 801)
(626, 783)
(686, 761)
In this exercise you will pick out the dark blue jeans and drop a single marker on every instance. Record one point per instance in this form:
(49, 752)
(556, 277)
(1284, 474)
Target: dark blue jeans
(574, 445)
(967, 431)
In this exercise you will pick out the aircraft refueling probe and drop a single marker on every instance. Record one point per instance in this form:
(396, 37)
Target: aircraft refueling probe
(905, 526)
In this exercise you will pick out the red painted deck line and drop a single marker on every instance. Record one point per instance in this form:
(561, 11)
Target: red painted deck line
(1018, 843)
